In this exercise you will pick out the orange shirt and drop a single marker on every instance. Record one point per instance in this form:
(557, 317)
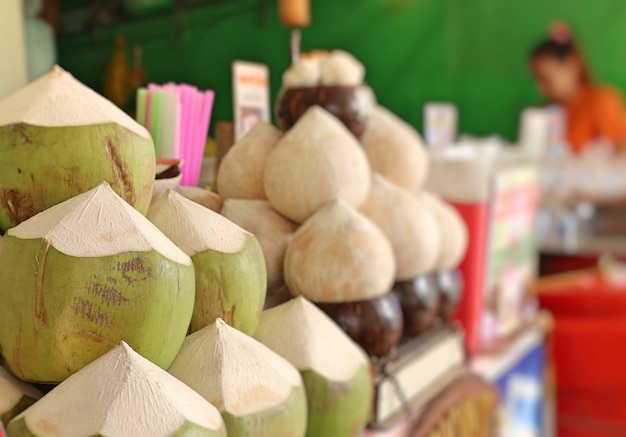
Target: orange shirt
(596, 113)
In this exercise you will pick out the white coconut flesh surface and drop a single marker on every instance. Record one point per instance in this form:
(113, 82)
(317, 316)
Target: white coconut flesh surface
(272, 230)
(57, 99)
(258, 215)
(339, 255)
(97, 223)
(120, 394)
(12, 390)
(236, 373)
(310, 340)
(453, 231)
(206, 198)
(317, 160)
(195, 228)
(240, 174)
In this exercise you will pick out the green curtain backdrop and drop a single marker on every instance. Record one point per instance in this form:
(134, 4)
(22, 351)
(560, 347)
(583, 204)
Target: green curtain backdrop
(470, 52)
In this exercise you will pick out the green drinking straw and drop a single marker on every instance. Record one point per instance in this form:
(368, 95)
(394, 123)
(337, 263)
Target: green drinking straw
(155, 119)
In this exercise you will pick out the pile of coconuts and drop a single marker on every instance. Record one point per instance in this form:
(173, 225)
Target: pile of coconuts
(122, 318)
(347, 224)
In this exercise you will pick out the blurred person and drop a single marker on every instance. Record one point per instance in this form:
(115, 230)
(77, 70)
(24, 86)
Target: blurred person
(594, 113)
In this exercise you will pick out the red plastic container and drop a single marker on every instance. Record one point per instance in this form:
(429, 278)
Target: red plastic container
(469, 314)
(589, 352)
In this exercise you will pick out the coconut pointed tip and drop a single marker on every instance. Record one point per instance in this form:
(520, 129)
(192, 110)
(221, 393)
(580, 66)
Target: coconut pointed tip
(299, 302)
(57, 70)
(221, 325)
(123, 349)
(122, 345)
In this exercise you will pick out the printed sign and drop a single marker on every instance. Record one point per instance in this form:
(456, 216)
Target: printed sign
(251, 96)
(512, 253)
(440, 124)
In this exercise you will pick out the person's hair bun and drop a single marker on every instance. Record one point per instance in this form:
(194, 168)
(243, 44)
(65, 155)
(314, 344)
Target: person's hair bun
(560, 32)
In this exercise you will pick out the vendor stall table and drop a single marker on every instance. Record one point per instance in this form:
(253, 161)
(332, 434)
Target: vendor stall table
(517, 370)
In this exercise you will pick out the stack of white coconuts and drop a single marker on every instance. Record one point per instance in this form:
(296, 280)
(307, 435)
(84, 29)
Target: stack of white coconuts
(339, 222)
(99, 298)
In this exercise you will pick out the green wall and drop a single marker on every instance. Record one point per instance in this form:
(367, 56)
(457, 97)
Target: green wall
(471, 52)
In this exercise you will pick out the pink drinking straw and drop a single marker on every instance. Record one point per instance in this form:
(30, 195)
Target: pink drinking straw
(188, 175)
(187, 98)
(205, 120)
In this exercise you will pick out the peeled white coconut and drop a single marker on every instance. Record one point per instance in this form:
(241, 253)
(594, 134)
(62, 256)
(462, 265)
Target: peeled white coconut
(305, 72)
(257, 391)
(409, 225)
(341, 68)
(316, 162)
(273, 231)
(15, 396)
(83, 276)
(230, 269)
(206, 198)
(453, 231)
(339, 255)
(240, 174)
(335, 371)
(121, 394)
(395, 149)
(58, 138)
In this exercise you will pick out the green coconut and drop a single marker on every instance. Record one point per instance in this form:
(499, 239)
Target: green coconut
(58, 139)
(121, 394)
(230, 269)
(335, 371)
(83, 276)
(15, 396)
(257, 391)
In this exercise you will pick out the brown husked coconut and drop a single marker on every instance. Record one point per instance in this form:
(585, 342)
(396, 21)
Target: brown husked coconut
(121, 394)
(395, 149)
(339, 255)
(240, 174)
(453, 230)
(409, 225)
(206, 198)
(258, 392)
(317, 161)
(272, 230)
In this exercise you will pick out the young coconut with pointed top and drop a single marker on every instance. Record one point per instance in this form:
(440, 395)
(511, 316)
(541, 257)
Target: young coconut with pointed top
(83, 276)
(273, 231)
(408, 224)
(231, 279)
(395, 149)
(121, 394)
(453, 231)
(339, 255)
(206, 198)
(240, 174)
(454, 243)
(342, 261)
(335, 371)
(259, 393)
(15, 396)
(317, 161)
(58, 139)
